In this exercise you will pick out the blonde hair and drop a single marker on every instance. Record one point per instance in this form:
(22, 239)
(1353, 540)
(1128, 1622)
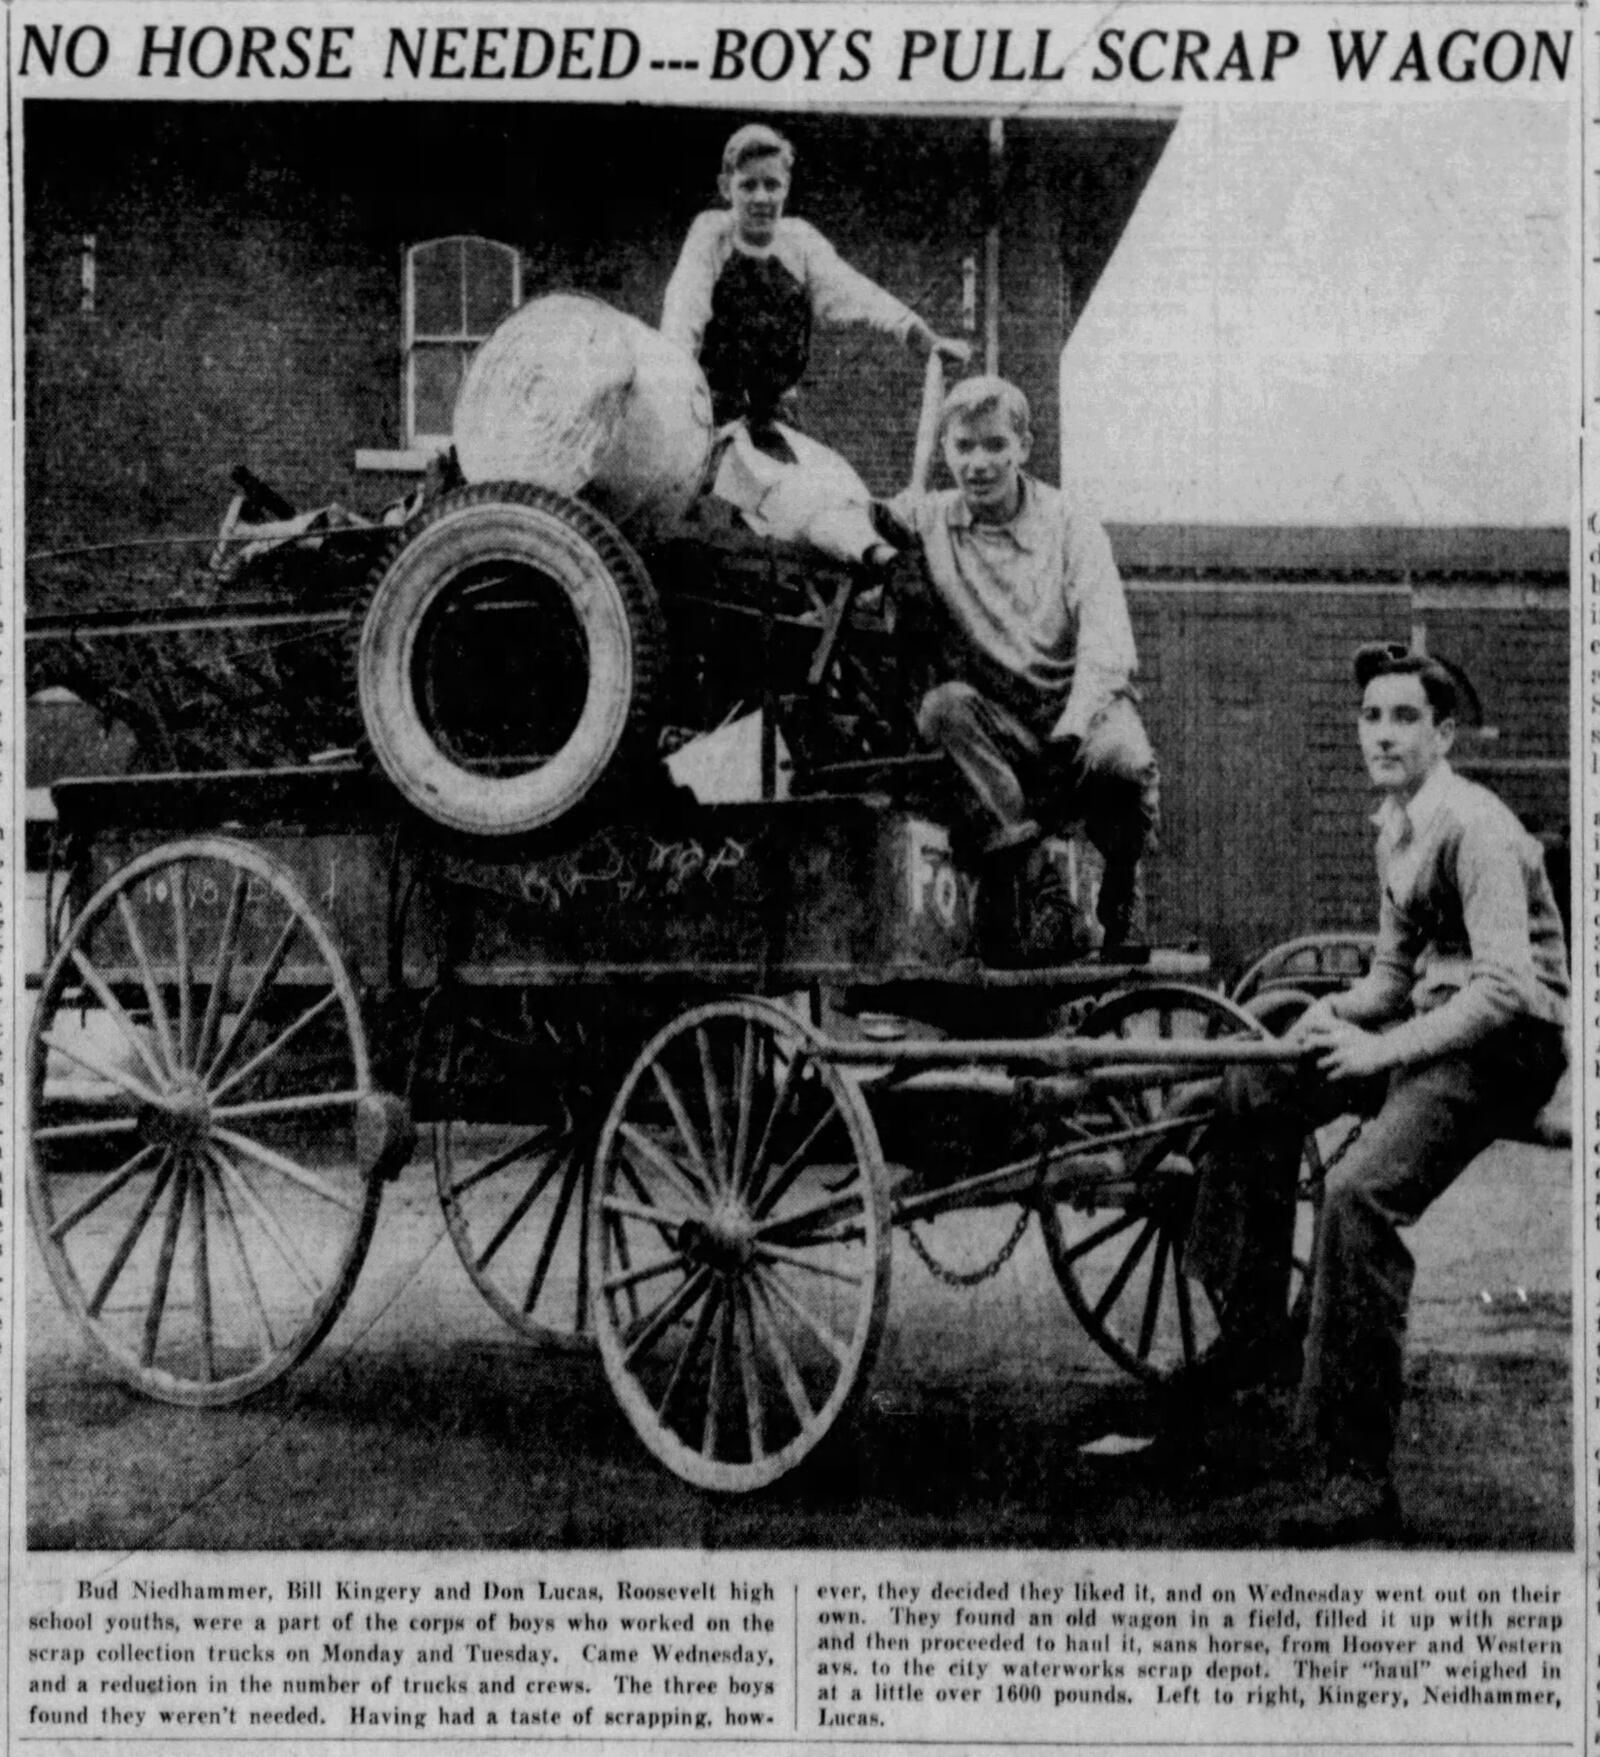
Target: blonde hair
(983, 395)
(754, 141)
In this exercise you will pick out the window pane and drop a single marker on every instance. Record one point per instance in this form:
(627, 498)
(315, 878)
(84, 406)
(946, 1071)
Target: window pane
(490, 273)
(436, 288)
(437, 372)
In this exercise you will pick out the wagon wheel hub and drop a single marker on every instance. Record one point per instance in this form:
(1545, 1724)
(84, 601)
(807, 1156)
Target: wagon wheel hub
(723, 1239)
(183, 1118)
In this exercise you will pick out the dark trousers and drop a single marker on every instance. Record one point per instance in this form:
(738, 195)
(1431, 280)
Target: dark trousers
(1006, 764)
(1426, 1125)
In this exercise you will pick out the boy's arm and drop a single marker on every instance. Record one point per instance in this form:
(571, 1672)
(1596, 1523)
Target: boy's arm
(842, 295)
(1494, 907)
(686, 309)
(897, 517)
(900, 521)
(1383, 992)
(1105, 657)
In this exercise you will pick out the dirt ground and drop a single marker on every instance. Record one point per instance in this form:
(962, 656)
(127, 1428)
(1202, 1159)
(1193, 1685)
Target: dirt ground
(422, 1422)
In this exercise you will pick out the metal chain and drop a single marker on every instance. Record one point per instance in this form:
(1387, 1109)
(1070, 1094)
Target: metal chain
(1345, 1145)
(1338, 1153)
(987, 1271)
(971, 1277)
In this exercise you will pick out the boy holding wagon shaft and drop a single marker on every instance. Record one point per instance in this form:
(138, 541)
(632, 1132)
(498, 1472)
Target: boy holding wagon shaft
(1455, 1037)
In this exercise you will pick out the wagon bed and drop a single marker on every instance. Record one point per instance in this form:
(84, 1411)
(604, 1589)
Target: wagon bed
(611, 1121)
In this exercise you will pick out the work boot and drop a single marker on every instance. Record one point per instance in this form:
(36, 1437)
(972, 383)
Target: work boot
(1002, 860)
(1118, 899)
(1237, 1363)
(1045, 926)
(1052, 928)
(1355, 1505)
(996, 911)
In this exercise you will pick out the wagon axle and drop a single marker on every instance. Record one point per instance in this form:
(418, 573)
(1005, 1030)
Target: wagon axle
(723, 1240)
(182, 1118)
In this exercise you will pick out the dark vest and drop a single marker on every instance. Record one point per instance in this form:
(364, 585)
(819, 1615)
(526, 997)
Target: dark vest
(758, 338)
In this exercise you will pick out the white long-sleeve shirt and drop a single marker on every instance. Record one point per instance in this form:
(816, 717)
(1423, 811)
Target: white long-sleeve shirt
(1039, 599)
(839, 294)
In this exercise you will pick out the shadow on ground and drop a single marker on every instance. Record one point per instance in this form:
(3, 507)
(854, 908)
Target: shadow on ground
(494, 1445)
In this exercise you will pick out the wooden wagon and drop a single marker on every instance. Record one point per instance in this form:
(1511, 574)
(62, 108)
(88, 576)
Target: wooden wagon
(686, 1065)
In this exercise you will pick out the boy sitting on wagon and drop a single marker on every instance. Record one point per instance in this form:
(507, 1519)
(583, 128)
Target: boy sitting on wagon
(1455, 1037)
(1036, 703)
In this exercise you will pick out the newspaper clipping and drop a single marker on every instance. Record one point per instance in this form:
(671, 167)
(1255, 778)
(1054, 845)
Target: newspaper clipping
(796, 892)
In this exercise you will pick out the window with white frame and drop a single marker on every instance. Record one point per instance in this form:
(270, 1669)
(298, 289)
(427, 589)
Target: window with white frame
(456, 291)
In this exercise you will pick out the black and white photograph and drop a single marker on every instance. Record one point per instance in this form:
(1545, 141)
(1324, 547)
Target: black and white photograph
(797, 829)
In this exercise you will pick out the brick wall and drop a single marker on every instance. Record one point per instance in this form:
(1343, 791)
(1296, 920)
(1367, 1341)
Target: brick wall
(247, 306)
(241, 316)
(247, 311)
(1298, 857)
(1335, 624)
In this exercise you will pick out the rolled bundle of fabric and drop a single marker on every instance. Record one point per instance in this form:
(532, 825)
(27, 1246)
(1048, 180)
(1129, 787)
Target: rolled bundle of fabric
(571, 395)
(814, 498)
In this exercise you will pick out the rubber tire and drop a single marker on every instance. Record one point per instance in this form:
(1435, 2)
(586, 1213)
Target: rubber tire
(610, 595)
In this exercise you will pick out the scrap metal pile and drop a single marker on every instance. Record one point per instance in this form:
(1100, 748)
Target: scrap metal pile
(220, 652)
(589, 578)
(233, 650)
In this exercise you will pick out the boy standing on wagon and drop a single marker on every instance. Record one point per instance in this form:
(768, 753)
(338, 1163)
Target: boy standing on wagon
(751, 280)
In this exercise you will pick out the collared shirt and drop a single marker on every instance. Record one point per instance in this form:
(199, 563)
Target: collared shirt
(1039, 600)
(838, 293)
(1469, 935)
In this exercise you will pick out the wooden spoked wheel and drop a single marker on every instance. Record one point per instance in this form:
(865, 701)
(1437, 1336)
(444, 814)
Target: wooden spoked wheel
(1117, 1234)
(740, 1243)
(516, 1194)
(198, 1071)
(1312, 964)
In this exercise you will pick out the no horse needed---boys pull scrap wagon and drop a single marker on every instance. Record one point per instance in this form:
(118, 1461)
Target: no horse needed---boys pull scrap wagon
(686, 1064)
